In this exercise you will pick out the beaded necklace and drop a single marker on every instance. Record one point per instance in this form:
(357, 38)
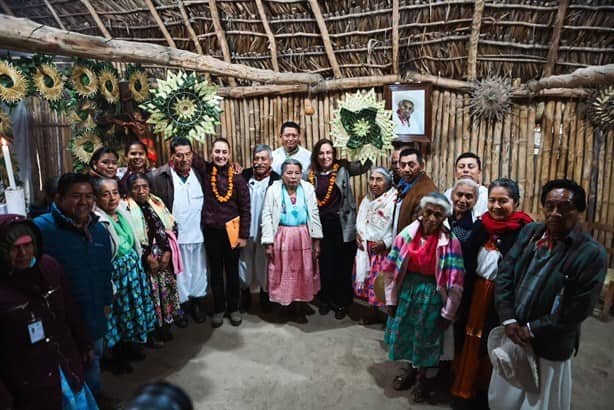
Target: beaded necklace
(216, 193)
(331, 184)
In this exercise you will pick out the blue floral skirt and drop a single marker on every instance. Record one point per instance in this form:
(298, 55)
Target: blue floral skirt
(412, 334)
(133, 314)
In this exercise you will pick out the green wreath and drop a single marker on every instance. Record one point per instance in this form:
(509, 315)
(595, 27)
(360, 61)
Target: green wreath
(82, 146)
(363, 129)
(185, 106)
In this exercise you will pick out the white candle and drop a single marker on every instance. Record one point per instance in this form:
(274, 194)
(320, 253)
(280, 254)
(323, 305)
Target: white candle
(8, 164)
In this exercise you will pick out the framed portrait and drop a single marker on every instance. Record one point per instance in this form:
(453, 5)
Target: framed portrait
(411, 111)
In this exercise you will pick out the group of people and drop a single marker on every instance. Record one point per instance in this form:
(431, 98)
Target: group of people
(124, 254)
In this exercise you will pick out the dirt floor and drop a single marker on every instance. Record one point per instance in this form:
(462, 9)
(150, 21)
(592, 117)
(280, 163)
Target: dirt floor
(324, 364)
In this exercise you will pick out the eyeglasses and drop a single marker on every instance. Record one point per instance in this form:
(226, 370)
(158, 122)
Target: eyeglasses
(563, 207)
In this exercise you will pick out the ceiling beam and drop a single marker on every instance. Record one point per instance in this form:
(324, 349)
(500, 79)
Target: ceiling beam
(97, 19)
(188, 26)
(221, 37)
(160, 23)
(27, 35)
(553, 52)
(55, 15)
(270, 35)
(6, 9)
(474, 39)
(592, 77)
(395, 36)
(317, 13)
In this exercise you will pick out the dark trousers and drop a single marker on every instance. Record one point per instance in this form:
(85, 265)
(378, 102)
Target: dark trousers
(336, 264)
(222, 257)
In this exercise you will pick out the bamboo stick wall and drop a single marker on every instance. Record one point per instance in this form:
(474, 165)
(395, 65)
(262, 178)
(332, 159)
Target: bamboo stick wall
(527, 146)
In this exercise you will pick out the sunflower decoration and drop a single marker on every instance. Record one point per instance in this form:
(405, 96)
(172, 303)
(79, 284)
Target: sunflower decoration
(601, 108)
(82, 146)
(108, 84)
(184, 105)
(84, 80)
(363, 129)
(5, 124)
(138, 84)
(48, 82)
(13, 85)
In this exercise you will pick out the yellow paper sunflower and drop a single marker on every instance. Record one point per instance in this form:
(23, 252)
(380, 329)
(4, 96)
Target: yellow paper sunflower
(83, 146)
(48, 82)
(84, 81)
(109, 86)
(5, 123)
(139, 86)
(13, 85)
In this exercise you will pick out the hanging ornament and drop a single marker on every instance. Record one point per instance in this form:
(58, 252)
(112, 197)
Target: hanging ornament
(13, 86)
(183, 105)
(82, 146)
(138, 83)
(309, 110)
(491, 98)
(108, 85)
(48, 82)
(601, 109)
(363, 129)
(84, 81)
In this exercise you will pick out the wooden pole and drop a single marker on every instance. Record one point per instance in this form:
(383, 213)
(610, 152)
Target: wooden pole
(27, 35)
(221, 37)
(474, 38)
(269, 34)
(598, 138)
(160, 23)
(592, 76)
(317, 13)
(553, 52)
(6, 9)
(395, 37)
(97, 19)
(55, 15)
(188, 26)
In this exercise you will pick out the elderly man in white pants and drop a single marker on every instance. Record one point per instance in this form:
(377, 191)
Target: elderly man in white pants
(253, 261)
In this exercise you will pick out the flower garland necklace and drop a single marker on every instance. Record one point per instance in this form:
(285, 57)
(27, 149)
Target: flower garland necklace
(331, 184)
(225, 198)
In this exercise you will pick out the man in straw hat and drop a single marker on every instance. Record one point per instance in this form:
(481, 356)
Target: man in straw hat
(547, 285)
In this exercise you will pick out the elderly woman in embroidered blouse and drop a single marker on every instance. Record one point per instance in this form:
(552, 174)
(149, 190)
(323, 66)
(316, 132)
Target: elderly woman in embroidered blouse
(374, 233)
(133, 315)
(424, 282)
(337, 206)
(226, 198)
(291, 233)
(156, 231)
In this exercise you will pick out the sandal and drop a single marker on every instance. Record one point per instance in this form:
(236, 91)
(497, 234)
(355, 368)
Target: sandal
(406, 379)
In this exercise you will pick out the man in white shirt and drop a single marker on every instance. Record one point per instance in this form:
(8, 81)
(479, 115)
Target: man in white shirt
(181, 190)
(469, 165)
(253, 260)
(290, 148)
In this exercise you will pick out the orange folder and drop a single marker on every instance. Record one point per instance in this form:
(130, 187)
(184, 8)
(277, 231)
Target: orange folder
(232, 229)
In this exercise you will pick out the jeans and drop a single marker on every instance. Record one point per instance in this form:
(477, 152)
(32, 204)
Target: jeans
(92, 372)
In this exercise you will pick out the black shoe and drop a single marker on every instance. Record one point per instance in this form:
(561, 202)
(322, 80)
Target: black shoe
(246, 301)
(340, 313)
(323, 309)
(198, 310)
(265, 302)
(164, 333)
(181, 321)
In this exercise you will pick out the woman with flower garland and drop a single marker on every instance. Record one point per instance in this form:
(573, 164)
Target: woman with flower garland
(156, 231)
(374, 233)
(337, 206)
(491, 238)
(226, 198)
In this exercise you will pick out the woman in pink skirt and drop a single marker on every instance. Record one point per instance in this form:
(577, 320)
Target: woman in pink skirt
(291, 233)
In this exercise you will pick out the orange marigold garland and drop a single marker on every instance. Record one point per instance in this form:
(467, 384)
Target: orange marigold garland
(225, 198)
(331, 184)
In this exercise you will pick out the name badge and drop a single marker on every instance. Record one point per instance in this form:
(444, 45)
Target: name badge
(37, 333)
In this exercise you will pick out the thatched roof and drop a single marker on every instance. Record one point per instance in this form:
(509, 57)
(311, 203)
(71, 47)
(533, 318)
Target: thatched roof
(512, 38)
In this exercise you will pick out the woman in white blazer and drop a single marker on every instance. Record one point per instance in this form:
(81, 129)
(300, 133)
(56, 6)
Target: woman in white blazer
(291, 233)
